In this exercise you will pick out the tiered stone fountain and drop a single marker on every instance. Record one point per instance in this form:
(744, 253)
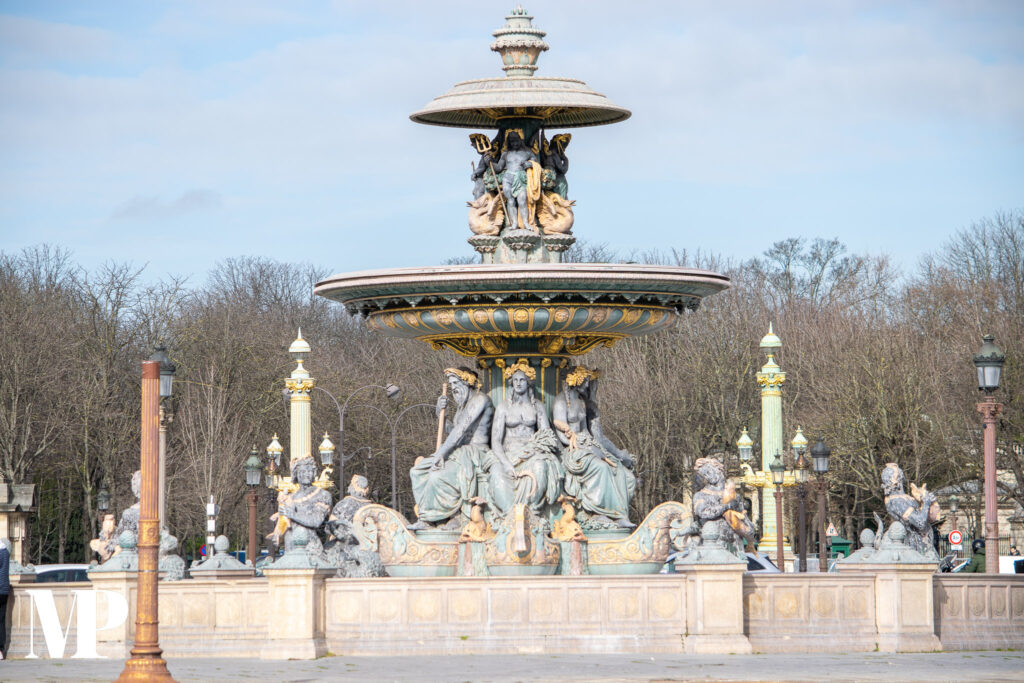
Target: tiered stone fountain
(523, 307)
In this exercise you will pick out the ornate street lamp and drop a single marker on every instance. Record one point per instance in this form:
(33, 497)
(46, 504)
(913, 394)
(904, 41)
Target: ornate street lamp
(778, 469)
(253, 469)
(801, 474)
(146, 662)
(391, 391)
(326, 449)
(274, 451)
(167, 369)
(989, 364)
(820, 455)
(745, 445)
(103, 499)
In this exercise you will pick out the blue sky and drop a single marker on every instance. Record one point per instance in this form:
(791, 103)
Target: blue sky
(178, 134)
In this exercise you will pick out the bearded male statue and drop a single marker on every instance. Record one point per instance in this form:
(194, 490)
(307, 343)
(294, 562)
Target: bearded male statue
(445, 482)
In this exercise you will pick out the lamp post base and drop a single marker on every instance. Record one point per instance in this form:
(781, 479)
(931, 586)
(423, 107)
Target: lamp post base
(145, 669)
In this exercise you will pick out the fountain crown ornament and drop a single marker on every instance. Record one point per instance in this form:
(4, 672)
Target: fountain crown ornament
(519, 43)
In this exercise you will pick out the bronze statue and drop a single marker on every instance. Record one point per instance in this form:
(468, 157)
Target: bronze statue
(301, 505)
(344, 551)
(716, 502)
(525, 467)
(917, 511)
(444, 483)
(520, 183)
(597, 473)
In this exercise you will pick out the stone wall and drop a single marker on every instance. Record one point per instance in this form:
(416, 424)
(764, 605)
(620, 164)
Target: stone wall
(301, 615)
(979, 612)
(476, 615)
(809, 612)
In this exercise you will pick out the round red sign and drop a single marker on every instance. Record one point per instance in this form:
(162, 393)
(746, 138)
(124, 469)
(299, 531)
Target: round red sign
(955, 537)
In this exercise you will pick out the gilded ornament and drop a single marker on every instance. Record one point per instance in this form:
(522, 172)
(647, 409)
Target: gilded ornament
(521, 365)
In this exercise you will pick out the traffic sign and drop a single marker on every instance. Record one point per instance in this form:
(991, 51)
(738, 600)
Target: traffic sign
(831, 530)
(956, 537)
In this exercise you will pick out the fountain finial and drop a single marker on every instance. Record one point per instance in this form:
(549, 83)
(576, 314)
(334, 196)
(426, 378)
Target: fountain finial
(519, 43)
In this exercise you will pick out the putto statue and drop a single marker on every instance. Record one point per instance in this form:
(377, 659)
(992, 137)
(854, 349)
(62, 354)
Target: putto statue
(526, 450)
(917, 511)
(597, 473)
(444, 483)
(344, 551)
(301, 504)
(716, 506)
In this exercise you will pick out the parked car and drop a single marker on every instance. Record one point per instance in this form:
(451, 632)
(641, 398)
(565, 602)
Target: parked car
(61, 573)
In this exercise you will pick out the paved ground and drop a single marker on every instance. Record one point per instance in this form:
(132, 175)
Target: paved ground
(909, 668)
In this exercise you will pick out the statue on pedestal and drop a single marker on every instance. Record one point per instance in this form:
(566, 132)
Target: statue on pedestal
(527, 469)
(303, 505)
(717, 506)
(444, 483)
(597, 473)
(917, 511)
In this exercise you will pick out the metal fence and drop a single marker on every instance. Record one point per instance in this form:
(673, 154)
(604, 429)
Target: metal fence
(965, 550)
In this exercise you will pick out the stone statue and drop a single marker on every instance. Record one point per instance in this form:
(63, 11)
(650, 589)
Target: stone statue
(716, 506)
(344, 551)
(566, 528)
(104, 546)
(483, 174)
(302, 505)
(556, 161)
(486, 215)
(170, 563)
(520, 183)
(444, 483)
(917, 511)
(597, 473)
(554, 214)
(526, 468)
(477, 529)
(129, 518)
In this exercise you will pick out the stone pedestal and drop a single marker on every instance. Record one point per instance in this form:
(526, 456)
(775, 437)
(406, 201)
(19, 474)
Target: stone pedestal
(297, 601)
(115, 642)
(714, 608)
(904, 607)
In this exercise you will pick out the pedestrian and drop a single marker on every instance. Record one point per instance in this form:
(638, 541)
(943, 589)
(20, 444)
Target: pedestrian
(1014, 551)
(5, 591)
(977, 564)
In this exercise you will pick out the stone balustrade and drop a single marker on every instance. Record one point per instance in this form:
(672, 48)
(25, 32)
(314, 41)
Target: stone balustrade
(305, 614)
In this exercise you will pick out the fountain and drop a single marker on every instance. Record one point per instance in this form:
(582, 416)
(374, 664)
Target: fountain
(526, 446)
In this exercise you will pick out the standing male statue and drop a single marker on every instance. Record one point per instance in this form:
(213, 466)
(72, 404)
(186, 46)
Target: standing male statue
(521, 182)
(445, 482)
